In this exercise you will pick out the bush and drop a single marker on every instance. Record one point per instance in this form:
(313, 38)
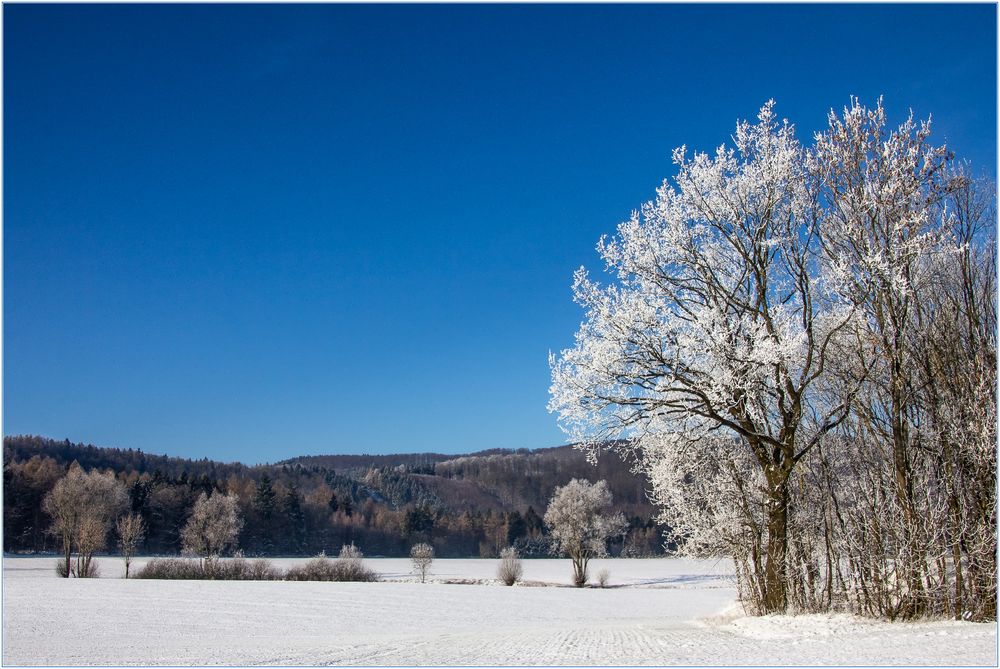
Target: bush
(237, 569)
(509, 571)
(172, 568)
(602, 578)
(241, 569)
(61, 568)
(349, 566)
(320, 568)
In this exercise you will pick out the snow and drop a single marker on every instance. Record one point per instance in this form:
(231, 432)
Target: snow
(661, 612)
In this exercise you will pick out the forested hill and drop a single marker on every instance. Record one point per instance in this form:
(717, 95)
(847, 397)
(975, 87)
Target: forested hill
(467, 505)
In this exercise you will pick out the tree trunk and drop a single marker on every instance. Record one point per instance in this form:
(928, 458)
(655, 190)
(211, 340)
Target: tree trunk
(912, 604)
(579, 571)
(775, 598)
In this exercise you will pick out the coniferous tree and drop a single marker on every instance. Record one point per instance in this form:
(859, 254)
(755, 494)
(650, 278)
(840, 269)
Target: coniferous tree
(533, 522)
(264, 505)
(516, 527)
(295, 521)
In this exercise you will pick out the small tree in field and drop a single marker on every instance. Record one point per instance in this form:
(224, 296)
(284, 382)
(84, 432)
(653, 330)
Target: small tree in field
(131, 530)
(580, 525)
(422, 555)
(213, 526)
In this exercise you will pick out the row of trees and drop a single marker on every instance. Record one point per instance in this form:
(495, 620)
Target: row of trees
(86, 506)
(301, 510)
(798, 348)
(78, 511)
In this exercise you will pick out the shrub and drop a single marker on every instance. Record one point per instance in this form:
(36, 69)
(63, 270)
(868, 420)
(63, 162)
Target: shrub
(602, 578)
(241, 569)
(320, 568)
(237, 569)
(172, 568)
(349, 566)
(62, 569)
(509, 571)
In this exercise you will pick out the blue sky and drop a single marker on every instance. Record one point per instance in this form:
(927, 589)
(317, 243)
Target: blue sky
(251, 232)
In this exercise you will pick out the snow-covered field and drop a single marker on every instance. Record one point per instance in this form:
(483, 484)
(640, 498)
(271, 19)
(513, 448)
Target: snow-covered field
(659, 612)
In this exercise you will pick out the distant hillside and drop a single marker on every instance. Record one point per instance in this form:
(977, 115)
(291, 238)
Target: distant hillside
(498, 479)
(466, 505)
(365, 462)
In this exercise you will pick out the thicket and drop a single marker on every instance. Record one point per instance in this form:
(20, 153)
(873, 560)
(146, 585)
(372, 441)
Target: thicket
(231, 569)
(348, 566)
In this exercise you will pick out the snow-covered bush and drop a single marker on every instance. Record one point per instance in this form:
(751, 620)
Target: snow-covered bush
(239, 568)
(603, 576)
(172, 568)
(319, 568)
(233, 569)
(349, 566)
(510, 570)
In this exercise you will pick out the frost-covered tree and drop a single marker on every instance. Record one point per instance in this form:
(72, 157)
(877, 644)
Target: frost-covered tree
(422, 555)
(580, 523)
(131, 530)
(890, 244)
(705, 351)
(795, 347)
(82, 506)
(213, 526)
(915, 250)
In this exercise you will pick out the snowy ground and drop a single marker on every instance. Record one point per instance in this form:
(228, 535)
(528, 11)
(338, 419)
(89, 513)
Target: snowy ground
(662, 612)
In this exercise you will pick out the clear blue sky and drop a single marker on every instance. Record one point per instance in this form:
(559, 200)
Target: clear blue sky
(251, 232)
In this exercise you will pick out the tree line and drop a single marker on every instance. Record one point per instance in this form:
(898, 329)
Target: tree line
(291, 509)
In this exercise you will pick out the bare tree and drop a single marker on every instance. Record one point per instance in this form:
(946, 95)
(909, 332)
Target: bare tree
(83, 506)
(421, 555)
(213, 526)
(131, 530)
(580, 524)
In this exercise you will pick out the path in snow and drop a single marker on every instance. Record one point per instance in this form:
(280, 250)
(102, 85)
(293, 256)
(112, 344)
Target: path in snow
(668, 614)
